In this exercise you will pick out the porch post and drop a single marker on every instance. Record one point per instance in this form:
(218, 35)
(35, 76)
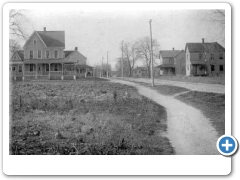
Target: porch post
(74, 68)
(36, 70)
(23, 69)
(49, 65)
(62, 72)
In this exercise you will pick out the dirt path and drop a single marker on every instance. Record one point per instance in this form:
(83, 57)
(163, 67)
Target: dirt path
(189, 131)
(214, 88)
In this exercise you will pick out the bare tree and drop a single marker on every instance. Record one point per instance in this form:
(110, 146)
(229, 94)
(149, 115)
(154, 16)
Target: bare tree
(16, 18)
(14, 45)
(144, 50)
(217, 17)
(118, 67)
(131, 55)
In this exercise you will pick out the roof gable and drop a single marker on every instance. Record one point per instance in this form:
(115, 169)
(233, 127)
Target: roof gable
(204, 47)
(168, 53)
(32, 35)
(53, 38)
(19, 54)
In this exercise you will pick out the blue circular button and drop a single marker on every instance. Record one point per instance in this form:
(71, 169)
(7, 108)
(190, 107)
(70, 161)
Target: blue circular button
(227, 145)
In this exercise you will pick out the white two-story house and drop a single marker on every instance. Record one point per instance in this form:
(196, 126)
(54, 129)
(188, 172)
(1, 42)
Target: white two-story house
(44, 57)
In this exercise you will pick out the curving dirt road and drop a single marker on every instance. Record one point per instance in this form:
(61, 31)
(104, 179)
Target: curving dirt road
(213, 88)
(189, 131)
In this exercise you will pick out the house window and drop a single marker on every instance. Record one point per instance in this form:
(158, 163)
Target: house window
(55, 53)
(55, 67)
(31, 67)
(47, 53)
(212, 68)
(13, 68)
(31, 54)
(19, 68)
(221, 67)
(39, 54)
(47, 67)
(221, 56)
(35, 42)
(171, 60)
(200, 56)
(212, 56)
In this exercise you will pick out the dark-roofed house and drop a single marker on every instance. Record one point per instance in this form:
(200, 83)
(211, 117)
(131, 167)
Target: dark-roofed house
(205, 59)
(140, 72)
(44, 57)
(167, 62)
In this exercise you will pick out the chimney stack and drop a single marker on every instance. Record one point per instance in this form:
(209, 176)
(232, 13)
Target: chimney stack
(173, 48)
(76, 48)
(202, 40)
(44, 28)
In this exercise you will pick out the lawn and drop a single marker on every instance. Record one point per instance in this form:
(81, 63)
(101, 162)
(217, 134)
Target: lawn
(85, 117)
(212, 105)
(197, 79)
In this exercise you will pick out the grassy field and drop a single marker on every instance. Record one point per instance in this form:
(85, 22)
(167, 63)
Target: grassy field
(198, 79)
(87, 117)
(212, 105)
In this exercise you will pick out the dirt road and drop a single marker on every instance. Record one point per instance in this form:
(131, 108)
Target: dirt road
(189, 131)
(214, 88)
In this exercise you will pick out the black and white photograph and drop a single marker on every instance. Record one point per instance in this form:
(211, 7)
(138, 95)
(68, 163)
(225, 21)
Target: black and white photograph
(112, 83)
(118, 80)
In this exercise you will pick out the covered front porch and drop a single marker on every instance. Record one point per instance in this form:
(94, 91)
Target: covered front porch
(55, 71)
(199, 70)
(167, 69)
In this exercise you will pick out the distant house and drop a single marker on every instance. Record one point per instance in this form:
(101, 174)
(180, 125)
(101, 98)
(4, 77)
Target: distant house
(205, 59)
(44, 57)
(168, 60)
(140, 72)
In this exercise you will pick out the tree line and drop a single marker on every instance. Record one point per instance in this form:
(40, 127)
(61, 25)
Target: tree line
(138, 50)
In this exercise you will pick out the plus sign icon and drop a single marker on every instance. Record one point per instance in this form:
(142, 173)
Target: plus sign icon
(227, 145)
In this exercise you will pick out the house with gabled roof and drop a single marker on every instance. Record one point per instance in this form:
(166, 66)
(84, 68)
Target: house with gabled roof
(168, 61)
(140, 71)
(44, 57)
(205, 59)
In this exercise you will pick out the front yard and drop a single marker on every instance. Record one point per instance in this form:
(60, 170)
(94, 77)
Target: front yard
(197, 79)
(85, 117)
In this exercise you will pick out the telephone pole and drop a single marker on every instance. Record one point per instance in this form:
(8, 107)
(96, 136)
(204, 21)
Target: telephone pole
(122, 59)
(107, 65)
(102, 67)
(151, 54)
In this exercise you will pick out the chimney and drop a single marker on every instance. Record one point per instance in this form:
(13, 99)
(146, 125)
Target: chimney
(202, 40)
(76, 48)
(173, 48)
(44, 29)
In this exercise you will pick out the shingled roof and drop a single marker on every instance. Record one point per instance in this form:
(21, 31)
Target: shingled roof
(53, 38)
(204, 47)
(21, 54)
(67, 53)
(168, 53)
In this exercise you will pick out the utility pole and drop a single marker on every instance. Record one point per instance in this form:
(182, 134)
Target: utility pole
(107, 66)
(151, 54)
(102, 66)
(122, 59)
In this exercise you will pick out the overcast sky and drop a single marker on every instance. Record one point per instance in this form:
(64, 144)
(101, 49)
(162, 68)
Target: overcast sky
(96, 32)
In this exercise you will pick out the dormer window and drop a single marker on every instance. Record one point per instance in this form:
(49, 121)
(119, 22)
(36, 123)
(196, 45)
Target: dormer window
(55, 54)
(35, 42)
